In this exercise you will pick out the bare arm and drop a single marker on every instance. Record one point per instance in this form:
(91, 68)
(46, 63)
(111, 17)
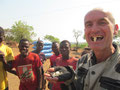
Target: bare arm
(7, 65)
(10, 70)
(39, 78)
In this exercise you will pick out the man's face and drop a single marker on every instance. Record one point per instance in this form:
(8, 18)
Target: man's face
(23, 48)
(98, 30)
(65, 49)
(39, 46)
(55, 48)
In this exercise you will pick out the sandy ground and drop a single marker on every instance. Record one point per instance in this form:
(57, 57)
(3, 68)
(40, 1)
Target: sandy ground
(14, 80)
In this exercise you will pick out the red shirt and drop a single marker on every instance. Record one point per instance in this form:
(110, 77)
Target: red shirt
(59, 62)
(53, 59)
(71, 62)
(41, 55)
(29, 65)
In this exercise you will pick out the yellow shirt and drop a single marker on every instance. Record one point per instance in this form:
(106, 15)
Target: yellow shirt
(3, 74)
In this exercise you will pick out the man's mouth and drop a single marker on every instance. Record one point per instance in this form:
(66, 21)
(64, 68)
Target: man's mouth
(97, 38)
(23, 51)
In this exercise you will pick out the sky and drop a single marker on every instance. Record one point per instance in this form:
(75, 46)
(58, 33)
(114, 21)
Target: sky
(54, 17)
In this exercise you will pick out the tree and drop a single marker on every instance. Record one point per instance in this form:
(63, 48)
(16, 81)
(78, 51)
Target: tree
(77, 34)
(22, 30)
(8, 35)
(51, 38)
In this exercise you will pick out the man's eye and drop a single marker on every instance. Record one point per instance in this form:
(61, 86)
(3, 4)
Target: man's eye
(88, 25)
(102, 23)
(26, 47)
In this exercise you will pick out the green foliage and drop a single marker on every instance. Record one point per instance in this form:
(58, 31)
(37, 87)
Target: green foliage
(73, 45)
(51, 38)
(8, 35)
(22, 30)
(82, 45)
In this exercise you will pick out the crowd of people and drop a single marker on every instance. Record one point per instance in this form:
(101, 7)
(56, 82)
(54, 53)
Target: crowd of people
(97, 69)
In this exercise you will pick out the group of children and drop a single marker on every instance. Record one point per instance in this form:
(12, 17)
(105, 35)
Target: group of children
(29, 65)
(61, 57)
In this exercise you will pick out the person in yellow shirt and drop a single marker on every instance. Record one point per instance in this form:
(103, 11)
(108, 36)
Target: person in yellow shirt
(7, 54)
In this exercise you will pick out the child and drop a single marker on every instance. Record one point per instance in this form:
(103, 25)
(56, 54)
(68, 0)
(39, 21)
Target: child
(55, 49)
(27, 66)
(6, 56)
(64, 60)
(39, 47)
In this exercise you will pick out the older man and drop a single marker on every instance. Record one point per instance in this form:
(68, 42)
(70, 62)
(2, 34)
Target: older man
(100, 69)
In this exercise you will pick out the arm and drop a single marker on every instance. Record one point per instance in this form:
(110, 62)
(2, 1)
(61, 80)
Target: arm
(40, 74)
(10, 70)
(39, 78)
(7, 65)
(44, 58)
(51, 64)
(42, 79)
(8, 60)
(59, 73)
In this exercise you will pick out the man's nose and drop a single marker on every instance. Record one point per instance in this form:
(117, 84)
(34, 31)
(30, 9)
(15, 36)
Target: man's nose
(95, 28)
(24, 47)
(64, 49)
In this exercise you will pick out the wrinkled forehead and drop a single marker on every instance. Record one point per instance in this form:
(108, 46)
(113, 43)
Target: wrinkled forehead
(94, 15)
(97, 15)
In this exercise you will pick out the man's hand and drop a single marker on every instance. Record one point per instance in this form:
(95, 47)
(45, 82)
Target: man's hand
(2, 56)
(59, 73)
(49, 77)
(7, 65)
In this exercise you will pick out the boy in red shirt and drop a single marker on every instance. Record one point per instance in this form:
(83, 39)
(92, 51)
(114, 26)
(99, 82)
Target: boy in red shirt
(64, 60)
(27, 66)
(39, 48)
(55, 49)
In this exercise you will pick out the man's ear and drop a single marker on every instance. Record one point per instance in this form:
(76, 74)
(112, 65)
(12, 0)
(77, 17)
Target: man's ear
(116, 28)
